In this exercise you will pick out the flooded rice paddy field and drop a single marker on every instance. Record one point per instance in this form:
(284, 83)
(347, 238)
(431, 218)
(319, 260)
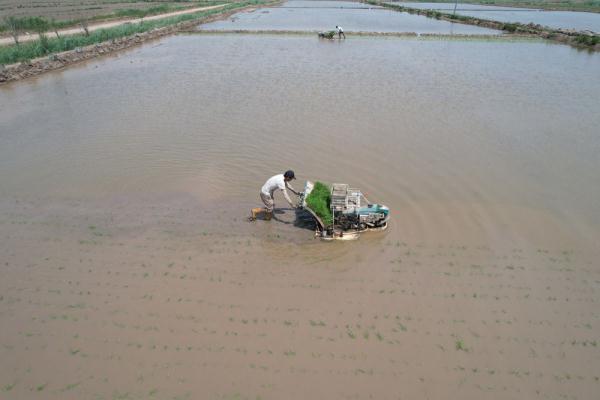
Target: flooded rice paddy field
(353, 17)
(127, 261)
(554, 19)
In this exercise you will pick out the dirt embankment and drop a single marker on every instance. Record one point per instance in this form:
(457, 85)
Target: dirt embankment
(25, 70)
(53, 62)
(579, 39)
(28, 37)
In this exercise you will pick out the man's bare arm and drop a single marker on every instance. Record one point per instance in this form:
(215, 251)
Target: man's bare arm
(287, 198)
(292, 189)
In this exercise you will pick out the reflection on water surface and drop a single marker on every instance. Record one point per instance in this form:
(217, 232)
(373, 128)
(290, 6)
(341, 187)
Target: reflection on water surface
(353, 17)
(554, 19)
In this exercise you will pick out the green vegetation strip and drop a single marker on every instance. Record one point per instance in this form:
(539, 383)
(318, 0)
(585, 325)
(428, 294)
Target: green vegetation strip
(46, 45)
(319, 201)
(41, 24)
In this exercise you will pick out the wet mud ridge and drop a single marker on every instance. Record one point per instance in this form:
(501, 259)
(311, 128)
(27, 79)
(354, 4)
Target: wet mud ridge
(460, 36)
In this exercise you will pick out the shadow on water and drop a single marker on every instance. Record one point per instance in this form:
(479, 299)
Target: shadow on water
(302, 219)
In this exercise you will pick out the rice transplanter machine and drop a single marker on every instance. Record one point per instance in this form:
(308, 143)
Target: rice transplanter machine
(352, 213)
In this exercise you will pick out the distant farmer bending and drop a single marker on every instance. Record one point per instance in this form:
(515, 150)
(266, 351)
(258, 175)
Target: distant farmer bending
(274, 183)
(340, 32)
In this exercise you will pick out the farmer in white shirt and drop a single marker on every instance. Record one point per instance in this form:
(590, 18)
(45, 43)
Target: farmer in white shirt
(340, 32)
(274, 183)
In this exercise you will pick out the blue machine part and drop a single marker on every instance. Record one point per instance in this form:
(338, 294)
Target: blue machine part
(374, 208)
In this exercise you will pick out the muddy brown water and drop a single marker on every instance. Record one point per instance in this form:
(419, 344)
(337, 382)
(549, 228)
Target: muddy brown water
(126, 260)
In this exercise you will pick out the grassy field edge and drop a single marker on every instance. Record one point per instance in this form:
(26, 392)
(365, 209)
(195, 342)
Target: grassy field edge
(47, 46)
(37, 23)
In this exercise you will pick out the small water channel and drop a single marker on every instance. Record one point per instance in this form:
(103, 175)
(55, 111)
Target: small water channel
(353, 17)
(554, 19)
